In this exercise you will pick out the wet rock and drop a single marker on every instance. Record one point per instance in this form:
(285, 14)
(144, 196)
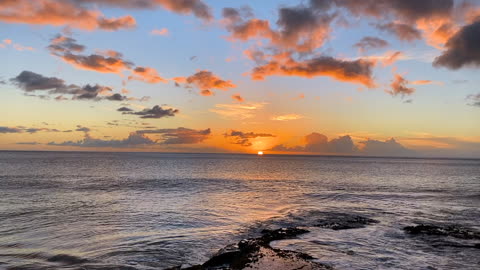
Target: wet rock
(281, 234)
(256, 253)
(345, 222)
(66, 259)
(105, 267)
(455, 245)
(443, 230)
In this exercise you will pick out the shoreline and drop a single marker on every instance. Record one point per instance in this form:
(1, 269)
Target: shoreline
(257, 253)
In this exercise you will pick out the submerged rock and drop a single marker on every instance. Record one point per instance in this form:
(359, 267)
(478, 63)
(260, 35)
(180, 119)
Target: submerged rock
(443, 230)
(66, 259)
(256, 253)
(345, 222)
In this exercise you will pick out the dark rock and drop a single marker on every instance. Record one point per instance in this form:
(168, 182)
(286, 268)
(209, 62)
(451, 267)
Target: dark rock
(443, 230)
(105, 267)
(257, 253)
(66, 259)
(345, 222)
(281, 234)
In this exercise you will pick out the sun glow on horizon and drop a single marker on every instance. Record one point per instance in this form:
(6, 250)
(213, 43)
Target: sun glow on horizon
(260, 153)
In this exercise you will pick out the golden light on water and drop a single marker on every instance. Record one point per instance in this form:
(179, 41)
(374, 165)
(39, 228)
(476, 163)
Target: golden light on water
(260, 153)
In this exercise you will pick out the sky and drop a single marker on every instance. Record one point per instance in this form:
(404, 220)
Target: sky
(336, 77)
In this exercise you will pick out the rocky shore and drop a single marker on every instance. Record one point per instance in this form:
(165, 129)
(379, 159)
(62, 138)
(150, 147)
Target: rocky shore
(256, 253)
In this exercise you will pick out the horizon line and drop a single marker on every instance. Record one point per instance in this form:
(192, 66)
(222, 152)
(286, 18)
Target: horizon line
(248, 154)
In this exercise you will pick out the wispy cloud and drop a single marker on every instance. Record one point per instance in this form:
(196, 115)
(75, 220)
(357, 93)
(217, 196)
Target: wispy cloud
(160, 32)
(238, 111)
(287, 117)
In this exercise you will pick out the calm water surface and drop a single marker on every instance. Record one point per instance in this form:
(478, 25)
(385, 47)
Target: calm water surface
(151, 211)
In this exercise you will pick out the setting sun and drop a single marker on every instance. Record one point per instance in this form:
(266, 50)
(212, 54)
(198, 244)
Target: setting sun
(260, 153)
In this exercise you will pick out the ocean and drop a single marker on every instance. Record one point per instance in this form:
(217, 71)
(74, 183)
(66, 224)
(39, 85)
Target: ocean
(159, 210)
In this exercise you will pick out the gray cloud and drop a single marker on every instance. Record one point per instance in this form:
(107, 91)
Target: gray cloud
(124, 109)
(134, 139)
(82, 129)
(387, 148)
(10, 130)
(368, 43)
(116, 97)
(401, 30)
(300, 28)
(28, 143)
(474, 100)
(463, 48)
(139, 139)
(343, 145)
(61, 44)
(154, 113)
(409, 10)
(22, 129)
(30, 82)
(319, 143)
(179, 135)
(243, 138)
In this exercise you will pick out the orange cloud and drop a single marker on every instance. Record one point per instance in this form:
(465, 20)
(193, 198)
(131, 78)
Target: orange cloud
(425, 82)
(104, 61)
(60, 13)
(206, 93)
(146, 74)
(206, 80)
(392, 58)
(19, 47)
(437, 31)
(16, 46)
(97, 63)
(195, 7)
(358, 71)
(238, 98)
(399, 86)
(160, 32)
